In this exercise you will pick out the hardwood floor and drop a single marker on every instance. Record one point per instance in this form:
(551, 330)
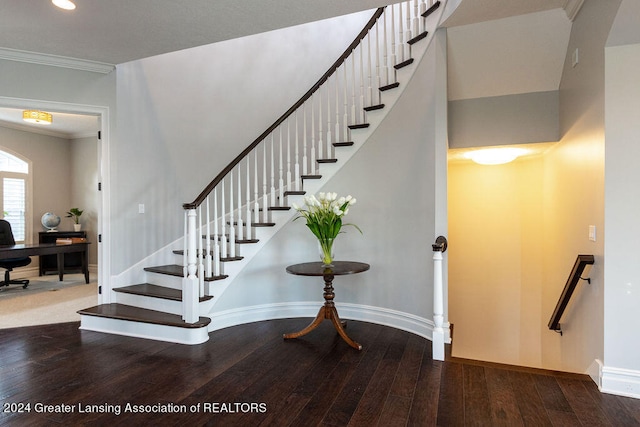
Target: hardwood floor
(249, 376)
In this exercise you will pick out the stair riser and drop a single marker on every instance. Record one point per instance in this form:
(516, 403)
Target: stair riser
(144, 330)
(158, 304)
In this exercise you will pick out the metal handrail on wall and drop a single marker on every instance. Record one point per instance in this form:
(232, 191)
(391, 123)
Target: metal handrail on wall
(577, 272)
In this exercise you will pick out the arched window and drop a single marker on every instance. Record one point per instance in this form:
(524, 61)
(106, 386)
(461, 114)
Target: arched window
(14, 175)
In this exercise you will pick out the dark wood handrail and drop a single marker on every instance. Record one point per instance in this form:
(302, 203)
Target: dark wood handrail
(200, 199)
(576, 272)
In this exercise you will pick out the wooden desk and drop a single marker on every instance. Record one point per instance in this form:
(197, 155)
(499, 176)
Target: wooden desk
(39, 249)
(49, 263)
(328, 310)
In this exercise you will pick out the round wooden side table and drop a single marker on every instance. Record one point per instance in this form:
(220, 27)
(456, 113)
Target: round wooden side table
(328, 310)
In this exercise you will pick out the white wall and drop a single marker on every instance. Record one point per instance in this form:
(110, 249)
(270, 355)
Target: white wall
(84, 189)
(394, 179)
(622, 290)
(183, 116)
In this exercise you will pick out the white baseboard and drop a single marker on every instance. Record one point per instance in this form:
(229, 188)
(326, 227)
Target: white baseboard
(382, 316)
(619, 381)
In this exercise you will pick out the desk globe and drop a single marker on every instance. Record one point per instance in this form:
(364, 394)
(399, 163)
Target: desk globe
(50, 221)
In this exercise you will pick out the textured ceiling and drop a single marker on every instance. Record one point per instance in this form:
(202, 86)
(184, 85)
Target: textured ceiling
(118, 31)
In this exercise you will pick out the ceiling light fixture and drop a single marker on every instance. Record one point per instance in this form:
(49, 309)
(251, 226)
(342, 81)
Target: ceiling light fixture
(64, 4)
(39, 117)
(495, 156)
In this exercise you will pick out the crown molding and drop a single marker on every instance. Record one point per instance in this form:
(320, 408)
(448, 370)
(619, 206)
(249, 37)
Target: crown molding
(572, 7)
(55, 61)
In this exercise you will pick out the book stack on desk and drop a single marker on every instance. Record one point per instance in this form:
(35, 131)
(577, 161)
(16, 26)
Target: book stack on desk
(70, 240)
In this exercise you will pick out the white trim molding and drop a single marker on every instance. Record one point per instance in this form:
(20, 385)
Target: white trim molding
(55, 61)
(383, 316)
(619, 381)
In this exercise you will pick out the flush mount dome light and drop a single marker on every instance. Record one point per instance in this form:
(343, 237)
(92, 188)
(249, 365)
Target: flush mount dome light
(38, 117)
(495, 156)
(64, 4)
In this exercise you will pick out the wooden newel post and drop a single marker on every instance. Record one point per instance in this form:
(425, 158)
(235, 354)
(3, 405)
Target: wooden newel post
(438, 303)
(190, 285)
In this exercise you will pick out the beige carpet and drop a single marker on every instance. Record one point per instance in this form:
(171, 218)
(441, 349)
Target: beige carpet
(47, 301)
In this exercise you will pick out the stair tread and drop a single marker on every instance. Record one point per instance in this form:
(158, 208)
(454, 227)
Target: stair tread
(295, 193)
(173, 270)
(343, 144)
(374, 107)
(432, 9)
(326, 160)
(136, 314)
(359, 126)
(155, 291)
(418, 38)
(311, 176)
(389, 86)
(403, 64)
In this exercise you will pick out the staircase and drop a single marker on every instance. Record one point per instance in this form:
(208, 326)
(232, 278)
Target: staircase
(249, 201)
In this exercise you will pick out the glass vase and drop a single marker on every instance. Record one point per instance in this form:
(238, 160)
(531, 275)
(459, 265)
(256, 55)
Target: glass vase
(325, 248)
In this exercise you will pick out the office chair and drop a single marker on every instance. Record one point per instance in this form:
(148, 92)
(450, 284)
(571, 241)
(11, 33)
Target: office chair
(6, 239)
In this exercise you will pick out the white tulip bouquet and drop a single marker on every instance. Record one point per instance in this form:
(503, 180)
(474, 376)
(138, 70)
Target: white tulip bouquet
(324, 219)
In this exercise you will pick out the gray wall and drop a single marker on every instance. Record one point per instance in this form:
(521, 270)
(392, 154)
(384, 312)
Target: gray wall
(524, 118)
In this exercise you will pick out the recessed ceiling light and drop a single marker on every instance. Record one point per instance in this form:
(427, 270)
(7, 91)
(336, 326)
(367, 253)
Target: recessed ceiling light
(64, 4)
(495, 156)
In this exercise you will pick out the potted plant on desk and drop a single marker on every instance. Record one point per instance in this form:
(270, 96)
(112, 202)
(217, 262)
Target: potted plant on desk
(75, 213)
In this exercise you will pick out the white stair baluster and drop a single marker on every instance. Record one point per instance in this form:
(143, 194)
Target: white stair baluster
(289, 172)
(354, 116)
(232, 226)
(272, 201)
(312, 165)
(408, 33)
(362, 100)
(208, 265)
(240, 228)
(400, 45)
(337, 124)
(296, 175)
(248, 219)
(423, 21)
(305, 159)
(378, 77)
(256, 200)
(280, 175)
(223, 225)
(394, 58)
(369, 69)
(320, 139)
(385, 42)
(263, 217)
(217, 237)
(200, 254)
(329, 136)
(345, 118)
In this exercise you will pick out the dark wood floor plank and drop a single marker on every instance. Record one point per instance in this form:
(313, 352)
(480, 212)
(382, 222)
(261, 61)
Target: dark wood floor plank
(404, 384)
(451, 405)
(395, 411)
(502, 398)
(583, 405)
(552, 397)
(347, 401)
(529, 402)
(477, 409)
(369, 408)
(424, 408)
(614, 407)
